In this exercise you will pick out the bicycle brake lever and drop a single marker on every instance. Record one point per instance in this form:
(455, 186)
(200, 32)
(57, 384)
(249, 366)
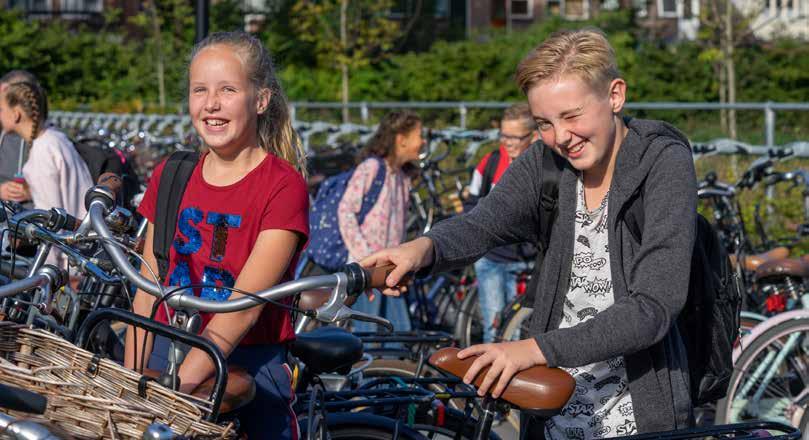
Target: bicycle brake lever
(349, 313)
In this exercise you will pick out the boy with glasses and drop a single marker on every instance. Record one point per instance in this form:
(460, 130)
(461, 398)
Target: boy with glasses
(497, 271)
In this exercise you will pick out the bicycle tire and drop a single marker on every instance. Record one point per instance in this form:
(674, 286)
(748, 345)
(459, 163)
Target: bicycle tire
(804, 424)
(515, 325)
(364, 426)
(516, 316)
(468, 329)
(455, 417)
(439, 433)
(793, 375)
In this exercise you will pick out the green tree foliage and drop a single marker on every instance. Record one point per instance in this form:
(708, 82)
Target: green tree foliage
(107, 71)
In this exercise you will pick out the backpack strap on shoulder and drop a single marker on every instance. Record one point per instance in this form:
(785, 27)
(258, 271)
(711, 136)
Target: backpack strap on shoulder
(370, 198)
(176, 173)
(635, 216)
(488, 173)
(552, 166)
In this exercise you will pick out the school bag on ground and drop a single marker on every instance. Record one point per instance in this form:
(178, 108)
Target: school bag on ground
(326, 246)
(709, 321)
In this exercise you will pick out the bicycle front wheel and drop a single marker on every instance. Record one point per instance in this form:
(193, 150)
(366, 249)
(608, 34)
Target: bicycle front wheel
(769, 376)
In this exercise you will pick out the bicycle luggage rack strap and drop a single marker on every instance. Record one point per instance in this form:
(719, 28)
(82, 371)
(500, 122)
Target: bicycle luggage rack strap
(110, 314)
(749, 430)
(407, 337)
(344, 400)
(448, 384)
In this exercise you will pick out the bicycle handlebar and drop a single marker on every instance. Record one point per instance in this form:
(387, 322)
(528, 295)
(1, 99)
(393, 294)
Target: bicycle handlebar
(25, 429)
(351, 281)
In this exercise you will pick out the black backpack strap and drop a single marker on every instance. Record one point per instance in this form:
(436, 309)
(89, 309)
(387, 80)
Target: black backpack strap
(173, 181)
(488, 173)
(552, 166)
(635, 217)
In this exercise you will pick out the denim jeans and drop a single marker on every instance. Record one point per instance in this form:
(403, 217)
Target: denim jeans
(391, 308)
(497, 286)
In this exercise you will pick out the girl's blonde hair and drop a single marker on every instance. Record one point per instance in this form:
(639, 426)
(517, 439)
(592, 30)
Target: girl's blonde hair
(33, 101)
(275, 132)
(585, 53)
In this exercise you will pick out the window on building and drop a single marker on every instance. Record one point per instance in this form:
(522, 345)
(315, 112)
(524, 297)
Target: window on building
(640, 7)
(575, 9)
(555, 7)
(610, 5)
(776, 7)
(441, 9)
(667, 8)
(522, 9)
(31, 5)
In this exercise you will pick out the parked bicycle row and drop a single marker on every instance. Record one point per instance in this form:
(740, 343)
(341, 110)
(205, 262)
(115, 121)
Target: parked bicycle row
(402, 397)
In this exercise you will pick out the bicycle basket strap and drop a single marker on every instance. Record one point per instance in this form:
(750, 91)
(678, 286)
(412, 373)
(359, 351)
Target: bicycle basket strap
(173, 181)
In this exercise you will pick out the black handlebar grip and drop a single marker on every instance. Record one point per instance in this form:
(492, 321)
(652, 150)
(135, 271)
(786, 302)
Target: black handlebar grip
(18, 399)
(71, 223)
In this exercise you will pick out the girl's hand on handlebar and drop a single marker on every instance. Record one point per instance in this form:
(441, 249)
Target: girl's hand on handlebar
(505, 359)
(14, 191)
(407, 257)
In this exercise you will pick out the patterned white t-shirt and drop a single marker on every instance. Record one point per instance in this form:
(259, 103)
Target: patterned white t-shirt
(601, 405)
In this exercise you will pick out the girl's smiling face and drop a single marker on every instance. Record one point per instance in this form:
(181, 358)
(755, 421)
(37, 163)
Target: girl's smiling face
(222, 104)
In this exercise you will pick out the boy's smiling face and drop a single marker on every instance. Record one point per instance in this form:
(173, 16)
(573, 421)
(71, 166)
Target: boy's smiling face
(577, 121)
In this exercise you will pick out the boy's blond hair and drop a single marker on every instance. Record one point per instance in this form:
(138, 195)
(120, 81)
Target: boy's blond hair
(585, 53)
(520, 112)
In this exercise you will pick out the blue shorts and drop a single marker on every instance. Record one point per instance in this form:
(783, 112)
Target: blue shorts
(270, 414)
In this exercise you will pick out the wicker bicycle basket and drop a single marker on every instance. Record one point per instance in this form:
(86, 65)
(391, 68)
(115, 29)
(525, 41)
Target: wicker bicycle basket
(93, 398)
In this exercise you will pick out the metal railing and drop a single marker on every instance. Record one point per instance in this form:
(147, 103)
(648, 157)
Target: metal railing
(462, 108)
(179, 127)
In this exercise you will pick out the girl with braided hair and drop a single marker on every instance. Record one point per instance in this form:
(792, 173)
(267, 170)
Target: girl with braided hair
(55, 173)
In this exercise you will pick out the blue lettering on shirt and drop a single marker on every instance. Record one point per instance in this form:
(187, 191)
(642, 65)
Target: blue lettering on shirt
(187, 217)
(212, 276)
(216, 277)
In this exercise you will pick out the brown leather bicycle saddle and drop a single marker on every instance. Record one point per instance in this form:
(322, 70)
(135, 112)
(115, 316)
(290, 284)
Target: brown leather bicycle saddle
(752, 262)
(784, 267)
(540, 389)
(240, 390)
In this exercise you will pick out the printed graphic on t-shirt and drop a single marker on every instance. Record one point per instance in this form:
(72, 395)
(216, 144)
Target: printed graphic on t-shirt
(189, 242)
(601, 405)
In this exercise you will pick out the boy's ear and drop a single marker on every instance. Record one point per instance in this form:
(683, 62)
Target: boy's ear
(617, 93)
(263, 100)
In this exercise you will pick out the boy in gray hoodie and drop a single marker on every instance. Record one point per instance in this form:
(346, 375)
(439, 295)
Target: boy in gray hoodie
(605, 305)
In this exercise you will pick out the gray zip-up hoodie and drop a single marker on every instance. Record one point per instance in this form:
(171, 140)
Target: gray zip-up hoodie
(650, 281)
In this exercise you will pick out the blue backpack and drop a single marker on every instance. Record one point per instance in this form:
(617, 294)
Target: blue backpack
(326, 246)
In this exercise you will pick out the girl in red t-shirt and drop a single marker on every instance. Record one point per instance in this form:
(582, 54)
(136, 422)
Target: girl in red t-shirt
(241, 223)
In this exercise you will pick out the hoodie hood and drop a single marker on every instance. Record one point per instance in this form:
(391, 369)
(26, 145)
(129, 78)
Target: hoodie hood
(644, 141)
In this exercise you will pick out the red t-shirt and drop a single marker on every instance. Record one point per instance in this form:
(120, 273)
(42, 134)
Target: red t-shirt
(217, 227)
